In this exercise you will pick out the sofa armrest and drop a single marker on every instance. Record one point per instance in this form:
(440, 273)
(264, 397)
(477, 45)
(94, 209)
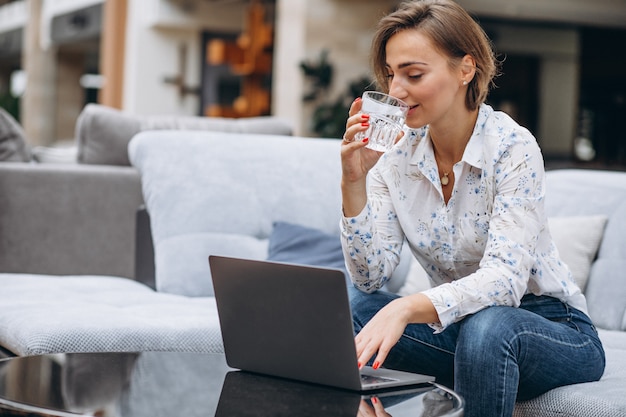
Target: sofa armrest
(68, 219)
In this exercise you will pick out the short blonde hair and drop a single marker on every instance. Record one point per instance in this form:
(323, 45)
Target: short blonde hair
(453, 32)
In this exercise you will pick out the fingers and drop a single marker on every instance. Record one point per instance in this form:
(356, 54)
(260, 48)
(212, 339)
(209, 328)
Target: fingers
(355, 107)
(356, 122)
(365, 410)
(379, 409)
(367, 349)
(375, 410)
(381, 334)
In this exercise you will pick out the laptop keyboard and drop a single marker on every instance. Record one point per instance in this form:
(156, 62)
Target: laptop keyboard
(369, 379)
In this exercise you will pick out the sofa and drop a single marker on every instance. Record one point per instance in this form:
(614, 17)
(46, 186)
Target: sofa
(74, 285)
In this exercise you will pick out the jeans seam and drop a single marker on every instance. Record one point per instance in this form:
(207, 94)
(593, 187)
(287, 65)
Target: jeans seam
(552, 339)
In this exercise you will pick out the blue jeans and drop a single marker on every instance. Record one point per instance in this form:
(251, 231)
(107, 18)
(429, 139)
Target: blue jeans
(497, 355)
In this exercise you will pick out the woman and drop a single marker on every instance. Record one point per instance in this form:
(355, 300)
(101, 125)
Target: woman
(464, 186)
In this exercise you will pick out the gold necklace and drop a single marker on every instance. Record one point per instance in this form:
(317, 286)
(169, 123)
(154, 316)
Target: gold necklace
(445, 180)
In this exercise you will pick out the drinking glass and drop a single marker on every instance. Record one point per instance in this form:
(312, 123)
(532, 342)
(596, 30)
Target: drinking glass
(387, 116)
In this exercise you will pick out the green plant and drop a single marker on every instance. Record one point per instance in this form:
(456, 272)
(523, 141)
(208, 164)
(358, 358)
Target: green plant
(10, 104)
(329, 116)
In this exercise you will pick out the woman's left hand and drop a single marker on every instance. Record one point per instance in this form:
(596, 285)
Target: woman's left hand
(382, 333)
(385, 329)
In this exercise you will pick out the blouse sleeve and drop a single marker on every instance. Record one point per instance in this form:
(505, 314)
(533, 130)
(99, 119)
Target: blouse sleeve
(514, 227)
(372, 241)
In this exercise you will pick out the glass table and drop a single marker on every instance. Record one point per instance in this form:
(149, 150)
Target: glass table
(169, 384)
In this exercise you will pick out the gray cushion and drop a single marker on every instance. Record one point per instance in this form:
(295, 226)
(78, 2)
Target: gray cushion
(589, 192)
(12, 139)
(606, 294)
(573, 192)
(101, 314)
(200, 187)
(103, 133)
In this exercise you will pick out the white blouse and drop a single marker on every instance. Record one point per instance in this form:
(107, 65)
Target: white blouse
(490, 245)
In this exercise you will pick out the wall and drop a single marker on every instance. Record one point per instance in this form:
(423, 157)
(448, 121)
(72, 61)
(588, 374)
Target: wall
(596, 12)
(305, 28)
(558, 51)
(157, 32)
(289, 50)
(345, 28)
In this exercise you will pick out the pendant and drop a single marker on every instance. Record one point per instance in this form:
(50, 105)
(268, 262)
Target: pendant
(445, 180)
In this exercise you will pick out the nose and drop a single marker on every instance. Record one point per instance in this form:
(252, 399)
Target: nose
(396, 89)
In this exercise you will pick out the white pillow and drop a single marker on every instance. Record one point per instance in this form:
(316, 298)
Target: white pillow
(577, 238)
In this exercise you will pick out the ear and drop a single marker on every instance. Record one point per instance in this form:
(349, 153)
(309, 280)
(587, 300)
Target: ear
(467, 68)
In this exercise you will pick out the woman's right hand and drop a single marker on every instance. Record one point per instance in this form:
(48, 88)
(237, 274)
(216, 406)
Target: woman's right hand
(356, 159)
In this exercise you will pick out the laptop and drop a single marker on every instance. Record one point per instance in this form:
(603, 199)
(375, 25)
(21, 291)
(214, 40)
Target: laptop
(293, 321)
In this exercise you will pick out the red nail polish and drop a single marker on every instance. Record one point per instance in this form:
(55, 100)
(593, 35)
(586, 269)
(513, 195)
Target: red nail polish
(365, 116)
(365, 124)
(374, 400)
(365, 140)
(358, 364)
(376, 365)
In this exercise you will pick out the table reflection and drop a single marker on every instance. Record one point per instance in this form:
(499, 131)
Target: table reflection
(172, 384)
(255, 395)
(93, 382)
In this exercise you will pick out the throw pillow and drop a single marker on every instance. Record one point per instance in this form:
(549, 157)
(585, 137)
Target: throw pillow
(294, 243)
(13, 146)
(298, 244)
(578, 239)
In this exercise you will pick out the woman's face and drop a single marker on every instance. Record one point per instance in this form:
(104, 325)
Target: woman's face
(421, 76)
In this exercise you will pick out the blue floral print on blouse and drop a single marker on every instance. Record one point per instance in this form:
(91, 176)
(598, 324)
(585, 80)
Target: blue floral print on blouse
(489, 245)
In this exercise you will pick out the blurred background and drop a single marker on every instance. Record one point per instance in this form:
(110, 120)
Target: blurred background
(564, 70)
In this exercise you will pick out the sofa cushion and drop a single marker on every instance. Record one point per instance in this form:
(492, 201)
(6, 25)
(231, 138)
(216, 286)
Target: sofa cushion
(578, 192)
(578, 238)
(56, 314)
(590, 192)
(606, 297)
(182, 261)
(218, 184)
(103, 133)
